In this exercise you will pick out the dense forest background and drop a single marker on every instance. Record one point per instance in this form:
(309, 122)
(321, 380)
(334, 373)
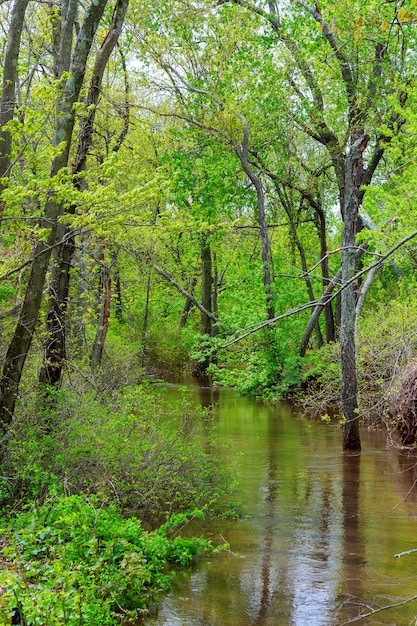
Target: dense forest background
(224, 189)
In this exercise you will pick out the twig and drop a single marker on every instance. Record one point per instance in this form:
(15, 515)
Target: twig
(382, 608)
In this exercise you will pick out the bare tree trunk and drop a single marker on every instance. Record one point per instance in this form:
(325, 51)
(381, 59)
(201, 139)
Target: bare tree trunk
(54, 359)
(206, 286)
(100, 338)
(56, 320)
(145, 321)
(188, 303)
(119, 300)
(353, 178)
(328, 309)
(215, 307)
(294, 235)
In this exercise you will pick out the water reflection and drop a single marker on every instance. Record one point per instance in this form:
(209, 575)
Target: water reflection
(353, 548)
(323, 528)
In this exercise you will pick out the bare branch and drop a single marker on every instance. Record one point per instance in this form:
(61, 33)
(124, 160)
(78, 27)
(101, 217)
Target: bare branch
(318, 302)
(173, 282)
(382, 608)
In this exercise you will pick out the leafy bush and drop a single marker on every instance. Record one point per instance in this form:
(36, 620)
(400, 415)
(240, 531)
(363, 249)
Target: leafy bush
(129, 446)
(265, 370)
(74, 561)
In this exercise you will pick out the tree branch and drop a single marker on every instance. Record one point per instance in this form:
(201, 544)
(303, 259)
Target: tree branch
(173, 282)
(314, 303)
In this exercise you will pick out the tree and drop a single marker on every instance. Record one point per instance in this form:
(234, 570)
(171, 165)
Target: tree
(76, 63)
(336, 102)
(8, 92)
(55, 350)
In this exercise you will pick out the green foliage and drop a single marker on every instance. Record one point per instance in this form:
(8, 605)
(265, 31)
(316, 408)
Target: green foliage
(75, 560)
(268, 370)
(128, 445)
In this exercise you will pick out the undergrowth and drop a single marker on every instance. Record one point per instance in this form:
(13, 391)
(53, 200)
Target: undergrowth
(74, 561)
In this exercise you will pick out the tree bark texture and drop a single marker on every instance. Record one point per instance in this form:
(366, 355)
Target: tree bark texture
(54, 359)
(100, 338)
(354, 174)
(206, 286)
(188, 303)
(56, 319)
(328, 309)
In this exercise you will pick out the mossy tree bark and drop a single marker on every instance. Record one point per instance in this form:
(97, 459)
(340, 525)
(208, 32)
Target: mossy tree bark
(8, 92)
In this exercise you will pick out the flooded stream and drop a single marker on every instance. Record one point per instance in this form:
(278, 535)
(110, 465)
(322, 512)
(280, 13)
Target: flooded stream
(318, 543)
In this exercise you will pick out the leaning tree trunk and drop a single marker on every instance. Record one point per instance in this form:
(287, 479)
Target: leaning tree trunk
(22, 338)
(188, 303)
(353, 180)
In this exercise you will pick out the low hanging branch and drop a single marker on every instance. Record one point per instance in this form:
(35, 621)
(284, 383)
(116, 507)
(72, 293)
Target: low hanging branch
(326, 297)
(194, 300)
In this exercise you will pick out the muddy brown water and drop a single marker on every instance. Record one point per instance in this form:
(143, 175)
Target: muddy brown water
(318, 543)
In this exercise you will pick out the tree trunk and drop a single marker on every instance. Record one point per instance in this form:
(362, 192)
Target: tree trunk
(353, 179)
(145, 321)
(242, 152)
(328, 309)
(22, 338)
(55, 345)
(119, 301)
(100, 338)
(8, 93)
(206, 286)
(188, 303)
(294, 235)
(215, 329)
(54, 359)
(317, 311)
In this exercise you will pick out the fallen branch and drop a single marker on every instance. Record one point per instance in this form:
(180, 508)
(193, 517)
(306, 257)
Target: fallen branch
(382, 608)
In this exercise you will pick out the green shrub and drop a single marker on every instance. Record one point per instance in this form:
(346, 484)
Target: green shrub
(75, 561)
(130, 446)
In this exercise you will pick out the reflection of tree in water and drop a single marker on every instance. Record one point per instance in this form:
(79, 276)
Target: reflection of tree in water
(209, 396)
(353, 544)
(405, 471)
(270, 529)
